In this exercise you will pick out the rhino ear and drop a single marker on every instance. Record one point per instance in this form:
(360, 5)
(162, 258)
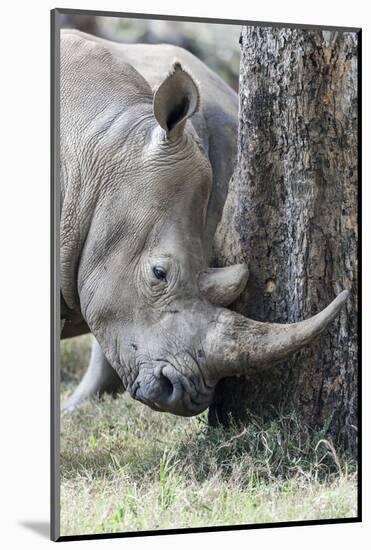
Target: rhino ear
(176, 99)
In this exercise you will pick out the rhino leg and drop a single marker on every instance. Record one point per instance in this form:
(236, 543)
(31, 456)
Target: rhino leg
(99, 378)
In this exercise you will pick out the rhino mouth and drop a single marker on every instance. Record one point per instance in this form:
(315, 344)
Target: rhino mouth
(163, 388)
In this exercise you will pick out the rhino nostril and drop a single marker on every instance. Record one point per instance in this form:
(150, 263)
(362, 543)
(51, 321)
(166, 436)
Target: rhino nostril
(167, 387)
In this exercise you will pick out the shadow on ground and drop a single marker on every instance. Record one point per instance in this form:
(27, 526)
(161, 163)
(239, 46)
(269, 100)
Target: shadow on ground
(41, 528)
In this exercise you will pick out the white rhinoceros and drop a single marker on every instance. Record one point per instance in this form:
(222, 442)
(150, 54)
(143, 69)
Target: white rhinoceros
(148, 144)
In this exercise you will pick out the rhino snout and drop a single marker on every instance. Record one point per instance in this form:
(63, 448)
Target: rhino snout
(165, 389)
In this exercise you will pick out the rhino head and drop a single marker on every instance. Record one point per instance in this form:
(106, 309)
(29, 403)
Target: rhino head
(145, 289)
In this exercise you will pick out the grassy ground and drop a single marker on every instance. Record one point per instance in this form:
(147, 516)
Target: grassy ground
(127, 468)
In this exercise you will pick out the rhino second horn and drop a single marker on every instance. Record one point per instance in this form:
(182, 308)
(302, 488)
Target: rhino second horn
(222, 286)
(239, 345)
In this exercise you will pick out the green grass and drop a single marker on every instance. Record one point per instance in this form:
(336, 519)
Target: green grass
(127, 468)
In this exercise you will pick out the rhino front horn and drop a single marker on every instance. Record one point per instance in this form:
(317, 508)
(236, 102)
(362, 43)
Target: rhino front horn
(239, 345)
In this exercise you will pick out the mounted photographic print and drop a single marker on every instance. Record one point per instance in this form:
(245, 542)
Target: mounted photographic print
(205, 362)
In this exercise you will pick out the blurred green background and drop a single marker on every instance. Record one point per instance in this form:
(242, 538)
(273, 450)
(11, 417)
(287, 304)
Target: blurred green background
(217, 45)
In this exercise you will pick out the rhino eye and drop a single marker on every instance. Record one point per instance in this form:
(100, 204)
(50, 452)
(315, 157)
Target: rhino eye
(159, 273)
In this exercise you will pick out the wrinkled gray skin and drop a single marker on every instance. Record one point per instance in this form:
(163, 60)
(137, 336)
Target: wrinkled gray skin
(147, 149)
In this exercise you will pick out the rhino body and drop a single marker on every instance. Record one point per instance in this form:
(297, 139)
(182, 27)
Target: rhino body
(148, 145)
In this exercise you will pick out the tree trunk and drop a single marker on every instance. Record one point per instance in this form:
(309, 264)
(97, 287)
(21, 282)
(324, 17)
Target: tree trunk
(291, 215)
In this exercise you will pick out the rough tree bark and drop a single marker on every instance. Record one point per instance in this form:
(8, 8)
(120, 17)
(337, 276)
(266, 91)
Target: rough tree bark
(291, 214)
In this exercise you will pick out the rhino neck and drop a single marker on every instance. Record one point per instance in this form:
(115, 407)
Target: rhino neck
(76, 216)
(87, 183)
(96, 93)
